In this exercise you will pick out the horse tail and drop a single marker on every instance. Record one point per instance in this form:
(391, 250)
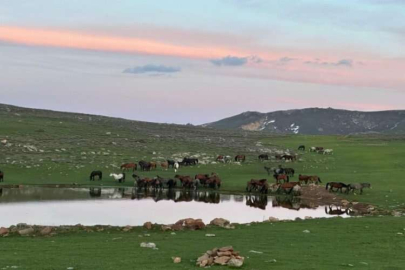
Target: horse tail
(288, 179)
(319, 179)
(236, 158)
(327, 185)
(101, 175)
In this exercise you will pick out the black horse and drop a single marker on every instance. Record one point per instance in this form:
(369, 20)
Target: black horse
(263, 157)
(301, 147)
(145, 166)
(94, 174)
(289, 171)
(189, 161)
(1, 176)
(170, 163)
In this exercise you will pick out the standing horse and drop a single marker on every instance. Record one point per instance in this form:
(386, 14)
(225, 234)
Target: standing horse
(164, 165)
(1, 176)
(119, 177)
(289, 171)
(280, 177)
(94, 174)
(127, 166)
(337, 185)
(301, 148)
(145, 166)
(288, 187)
(170, 163)
(289, 157)
(358, 186)
(240, 158)
(263, 157)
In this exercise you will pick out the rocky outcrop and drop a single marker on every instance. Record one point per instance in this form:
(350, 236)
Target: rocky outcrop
(221, 222)
(221, 256)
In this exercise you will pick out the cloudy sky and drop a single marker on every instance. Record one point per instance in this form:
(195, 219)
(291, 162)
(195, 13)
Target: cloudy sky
(186, 61)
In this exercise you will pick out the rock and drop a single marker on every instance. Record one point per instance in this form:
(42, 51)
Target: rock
(148, 225)
(166, 228)
(222, 260)
(127, 228)
(210, 235)
(190, 223)
(4, 231)
(296, 190)
(345, 202)
(273, 219)
(308, 217)
(227, 248)
(46, 231)
(25, 232)
(234, 262)
(306, 231)
(148, 245)
(177, 227)
(221, 222)
(176, 259)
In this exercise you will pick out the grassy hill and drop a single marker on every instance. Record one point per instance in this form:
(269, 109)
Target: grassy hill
(316, 121)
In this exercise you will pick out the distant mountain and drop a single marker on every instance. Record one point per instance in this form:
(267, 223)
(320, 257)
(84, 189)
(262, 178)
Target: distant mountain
(316, 121)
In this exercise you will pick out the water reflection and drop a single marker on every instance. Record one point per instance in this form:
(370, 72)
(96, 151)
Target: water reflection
(127, 206)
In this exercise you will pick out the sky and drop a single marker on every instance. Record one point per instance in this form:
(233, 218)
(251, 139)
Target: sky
(196, 62)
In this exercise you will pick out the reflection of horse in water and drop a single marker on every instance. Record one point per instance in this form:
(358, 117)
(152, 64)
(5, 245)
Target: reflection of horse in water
(1, 192)
(95, 192)
(337, 211)
(176, 196)
(256, 201)
(293, 203)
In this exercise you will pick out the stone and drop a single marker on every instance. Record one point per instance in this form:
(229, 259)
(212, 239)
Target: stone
(166, 228)
(273, 219)
(46, 231)
(236, 262)
(127, 228)
(210, 235)
(306, 231)
(176, 259)
(190, 223)
(148, 245)
(25, 232)
(221, 222)
(148, 225)
(4, 231)
(227, 248)
(222, 260)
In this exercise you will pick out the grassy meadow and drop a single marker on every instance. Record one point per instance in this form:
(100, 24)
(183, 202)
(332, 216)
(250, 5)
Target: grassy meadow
(46, 148)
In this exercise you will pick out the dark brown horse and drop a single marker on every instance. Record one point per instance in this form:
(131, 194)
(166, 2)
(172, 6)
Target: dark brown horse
(263, 157)
(213, 182)
(127, 166)
(93, 174)
(289, 157)
(257, 185)
(288, 187)
(203, 178)
(145, 166)
(337, 185)
(240, 158)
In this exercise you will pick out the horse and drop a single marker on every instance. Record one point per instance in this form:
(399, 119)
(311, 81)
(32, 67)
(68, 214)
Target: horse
(190, 161)
(145, 166)
(153, 165)
(269, 170)
(316, 179)
(328, 152)
(287, 187)
(337, 185)
(94, 174)
(176, 166)
(263, 157)
(164, 165)
(142, 182)
(304, 178)
(220, 158)
(257, 185)
(358, 186)
(240, 158)
(185, 180)
(127, 166)
(202, 178)
(301, 148)
(170, 163)
(289, 157)
(289, 171)
(1, 176)
(213, 182)
(119, 177)
(280, 177)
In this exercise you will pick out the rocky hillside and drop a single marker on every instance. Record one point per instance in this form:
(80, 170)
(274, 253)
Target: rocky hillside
(316, 121)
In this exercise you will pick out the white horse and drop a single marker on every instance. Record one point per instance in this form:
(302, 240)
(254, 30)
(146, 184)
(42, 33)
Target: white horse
(176, 166)
(328, 152)
(119, 177)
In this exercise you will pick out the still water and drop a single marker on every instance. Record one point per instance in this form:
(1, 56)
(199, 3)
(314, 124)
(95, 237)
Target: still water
(127, 206)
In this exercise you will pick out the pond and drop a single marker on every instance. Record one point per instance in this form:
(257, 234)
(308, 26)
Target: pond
(128, 206)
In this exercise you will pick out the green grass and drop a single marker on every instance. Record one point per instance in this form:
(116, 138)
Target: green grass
(365, 243)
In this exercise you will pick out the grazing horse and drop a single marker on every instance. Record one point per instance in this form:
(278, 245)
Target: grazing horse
(288, 157)
(257, 185)
(263, 157)
(280, 177)
(164, 165)
(189, 161)
(315, 179)
(119, 177)
(358, 186)
(202, 178)
(94, 174)
(289, 171)
(213, 182)
(185, 180)
(145, 166)
(153, 165)
(240, 158)
(337, 185)
(1, 176)
(287, 187)
(170, 163)
(301, 147)
(127, 166)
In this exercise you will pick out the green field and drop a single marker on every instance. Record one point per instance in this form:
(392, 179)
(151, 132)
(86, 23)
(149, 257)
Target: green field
(67, 147)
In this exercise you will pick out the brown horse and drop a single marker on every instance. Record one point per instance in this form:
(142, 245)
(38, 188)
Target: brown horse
(280, 177)
(240, 158)
(213, 182)
(185, 180)
(337, 185)
(288, 187)
(127, 166)
(153, 165)
(220, 158)
(257, 185)
(289, 157)
(164, 165)
(203, 178)
(315, 179)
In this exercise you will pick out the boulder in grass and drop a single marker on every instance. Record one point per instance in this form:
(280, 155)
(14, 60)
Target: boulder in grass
(221, 222)
(25, 232)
